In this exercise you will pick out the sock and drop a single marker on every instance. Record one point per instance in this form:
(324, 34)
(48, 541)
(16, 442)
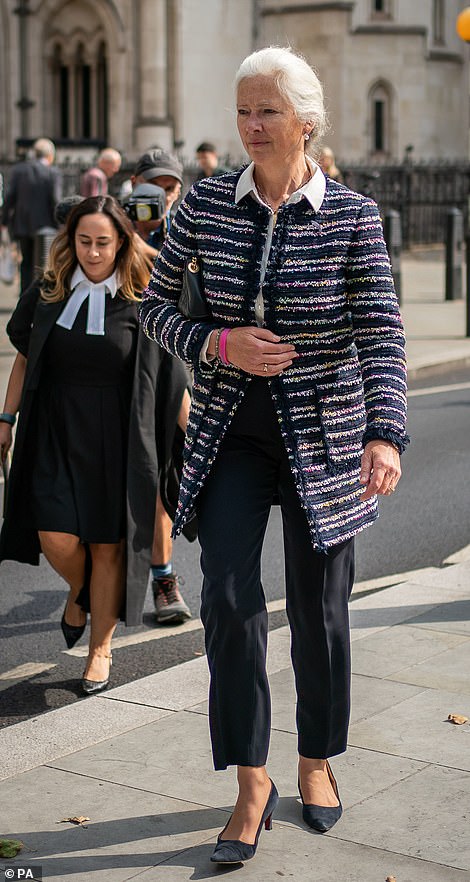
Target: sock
(160, 570)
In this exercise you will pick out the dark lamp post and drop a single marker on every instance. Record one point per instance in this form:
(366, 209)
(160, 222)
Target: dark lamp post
(462, 24)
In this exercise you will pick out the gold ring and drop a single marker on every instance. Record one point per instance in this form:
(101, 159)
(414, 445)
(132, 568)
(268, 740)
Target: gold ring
(265, 368)
(392, 489)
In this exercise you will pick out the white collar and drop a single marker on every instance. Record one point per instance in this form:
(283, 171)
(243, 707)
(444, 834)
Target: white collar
(313, 190)
(79, 278)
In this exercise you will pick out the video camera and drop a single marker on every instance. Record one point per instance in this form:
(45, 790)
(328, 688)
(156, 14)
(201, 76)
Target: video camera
(147, 202)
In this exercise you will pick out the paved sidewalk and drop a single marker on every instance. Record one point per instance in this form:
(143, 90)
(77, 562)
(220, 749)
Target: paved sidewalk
(136, 761)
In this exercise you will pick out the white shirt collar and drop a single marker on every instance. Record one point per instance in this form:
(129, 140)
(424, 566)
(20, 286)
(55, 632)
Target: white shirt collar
(313, 190)
(79, 278)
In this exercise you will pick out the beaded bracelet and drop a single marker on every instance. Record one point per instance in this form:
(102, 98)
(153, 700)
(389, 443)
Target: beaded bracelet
(8, 418)
(217, 343)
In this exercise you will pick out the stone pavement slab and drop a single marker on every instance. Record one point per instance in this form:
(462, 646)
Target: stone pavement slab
(59, 732)
(129, 829)
(426, 815)
(418, 728)
(389, 652)
(408, 600)
(304, 856)
(449, 671)
(451, 618)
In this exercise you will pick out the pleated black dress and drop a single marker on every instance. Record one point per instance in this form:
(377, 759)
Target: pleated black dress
(84, 397)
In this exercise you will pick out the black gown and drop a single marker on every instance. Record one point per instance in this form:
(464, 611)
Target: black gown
(79, 475)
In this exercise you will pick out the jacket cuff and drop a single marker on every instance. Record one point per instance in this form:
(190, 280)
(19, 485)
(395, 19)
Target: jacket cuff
(398, 441)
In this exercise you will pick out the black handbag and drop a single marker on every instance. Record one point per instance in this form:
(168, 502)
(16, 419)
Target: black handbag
(192, 302)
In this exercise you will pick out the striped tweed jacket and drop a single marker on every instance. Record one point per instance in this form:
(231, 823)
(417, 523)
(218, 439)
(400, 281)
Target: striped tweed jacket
(328, 290)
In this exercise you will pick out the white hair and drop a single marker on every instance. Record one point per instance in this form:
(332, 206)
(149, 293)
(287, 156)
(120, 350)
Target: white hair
(296, 81)
(109, 154)
(44, 148)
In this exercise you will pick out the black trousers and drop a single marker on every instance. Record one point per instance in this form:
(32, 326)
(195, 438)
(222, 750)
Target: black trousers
(233, 510)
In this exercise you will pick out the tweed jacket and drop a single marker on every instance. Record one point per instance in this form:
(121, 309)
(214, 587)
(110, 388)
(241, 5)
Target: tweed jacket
(328, 290)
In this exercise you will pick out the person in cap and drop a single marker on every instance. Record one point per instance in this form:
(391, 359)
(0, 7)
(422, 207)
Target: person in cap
(157, 185)
(166, 171)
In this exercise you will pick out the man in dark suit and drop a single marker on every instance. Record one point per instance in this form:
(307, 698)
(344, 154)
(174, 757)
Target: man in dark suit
(33, 191)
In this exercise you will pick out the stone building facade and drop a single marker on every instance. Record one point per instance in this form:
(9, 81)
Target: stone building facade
(132, 73)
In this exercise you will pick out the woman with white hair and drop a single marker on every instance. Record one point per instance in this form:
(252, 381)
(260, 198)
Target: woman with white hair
(299, 393)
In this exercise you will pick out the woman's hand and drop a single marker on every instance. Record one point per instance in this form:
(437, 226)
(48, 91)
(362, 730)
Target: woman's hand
(258, 351)
(380, 468)
(5, 440)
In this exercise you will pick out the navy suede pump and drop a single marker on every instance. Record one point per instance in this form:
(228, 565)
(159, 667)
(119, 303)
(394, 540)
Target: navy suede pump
(234, 851)
(322, 817)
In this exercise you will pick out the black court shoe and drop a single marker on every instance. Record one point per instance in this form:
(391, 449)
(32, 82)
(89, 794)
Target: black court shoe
(234, 851)
(70, 632)
(91, 687)
(322, 817)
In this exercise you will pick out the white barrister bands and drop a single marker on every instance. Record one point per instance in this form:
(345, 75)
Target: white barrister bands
(82, 288)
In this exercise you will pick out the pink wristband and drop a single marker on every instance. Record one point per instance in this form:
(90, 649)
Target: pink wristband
(223, 346)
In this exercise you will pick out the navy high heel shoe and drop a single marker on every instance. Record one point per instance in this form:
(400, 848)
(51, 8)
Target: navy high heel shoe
(234, 851)
(322, 817)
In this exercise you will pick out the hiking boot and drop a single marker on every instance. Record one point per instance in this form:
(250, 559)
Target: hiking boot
(169, 604)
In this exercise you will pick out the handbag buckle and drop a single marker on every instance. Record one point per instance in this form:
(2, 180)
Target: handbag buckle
(193, 265)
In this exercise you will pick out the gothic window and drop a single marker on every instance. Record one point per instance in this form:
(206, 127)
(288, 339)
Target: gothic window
(380, 114)
(438, 22)
(80, 88)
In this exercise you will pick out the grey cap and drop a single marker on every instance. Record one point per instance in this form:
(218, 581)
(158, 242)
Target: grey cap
(157, 162)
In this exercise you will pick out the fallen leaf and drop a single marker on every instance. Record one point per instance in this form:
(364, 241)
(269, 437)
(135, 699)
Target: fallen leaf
(458, 719)
(9, 848)
(76, 820)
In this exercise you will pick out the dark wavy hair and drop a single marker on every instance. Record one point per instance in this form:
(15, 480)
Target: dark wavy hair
(130, 260)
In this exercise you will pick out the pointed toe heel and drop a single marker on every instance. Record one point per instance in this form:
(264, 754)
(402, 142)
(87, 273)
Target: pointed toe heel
(71, 634)
(322, 817)
(234, 851)
(92, 687)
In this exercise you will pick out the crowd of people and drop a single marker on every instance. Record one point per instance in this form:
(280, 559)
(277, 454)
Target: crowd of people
(137, 422)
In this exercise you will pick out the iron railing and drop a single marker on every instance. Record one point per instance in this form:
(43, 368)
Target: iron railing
(422, 193)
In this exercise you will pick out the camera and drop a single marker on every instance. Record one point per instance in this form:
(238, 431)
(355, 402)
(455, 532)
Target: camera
(147, 202)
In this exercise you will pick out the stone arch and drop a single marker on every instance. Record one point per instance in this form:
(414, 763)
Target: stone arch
(106, 11)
